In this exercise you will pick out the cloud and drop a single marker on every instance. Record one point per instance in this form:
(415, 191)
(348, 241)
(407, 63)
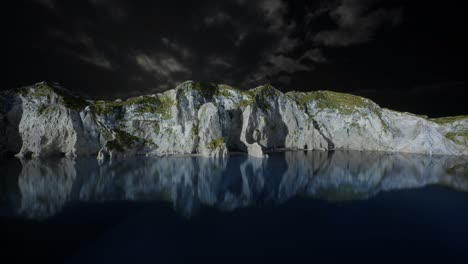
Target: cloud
(218, 61)
(162, 64)
(356, 23)
(276, 65)
(239, 41)
(273, 11)
(178, 48)
(262, 40)
(114, 8)
(240, 38)
(285, 79)
(166, 71)
(440, 87)
(313, 13)
(315, 55)
(84, 48)
(282, 63)
(97, 59)
(50, 4)
(286, 44)
(277, 44)
(218, 18)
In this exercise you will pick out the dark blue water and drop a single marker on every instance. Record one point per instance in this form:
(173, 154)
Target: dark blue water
(315, 206)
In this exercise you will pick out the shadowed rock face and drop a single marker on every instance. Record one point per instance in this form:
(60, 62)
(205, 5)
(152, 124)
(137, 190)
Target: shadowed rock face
(210, 119)
(43, 187)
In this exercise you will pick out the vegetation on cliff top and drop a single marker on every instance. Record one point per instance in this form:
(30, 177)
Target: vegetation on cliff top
(208, 90)
(342, 102)
(459, 137)
(160, 104)
(448, 119)
(259, 96)
(38, 89)
(43, 89)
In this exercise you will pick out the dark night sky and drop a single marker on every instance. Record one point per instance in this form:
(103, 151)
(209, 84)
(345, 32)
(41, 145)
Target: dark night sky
(405, 55)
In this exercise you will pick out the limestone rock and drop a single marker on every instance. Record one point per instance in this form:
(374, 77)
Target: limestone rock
(211, 142)
(45, 119)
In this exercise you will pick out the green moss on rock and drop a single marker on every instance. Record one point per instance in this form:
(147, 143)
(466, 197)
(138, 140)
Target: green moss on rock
(156, 128)
(74, 102)
(164, 107)
(258, 96)
(42, 109)
(245, 102)
(449, 119)
(122, 141)
(106, 134)
(356, 125)
(459, 137)
(152, 104)
(194, 129)
(106, 107)
(43, 89)
(378, 112)
(215, 143)
(224, 90)
(160, 104)
(342, 102)
(208, 90)
(38, 89)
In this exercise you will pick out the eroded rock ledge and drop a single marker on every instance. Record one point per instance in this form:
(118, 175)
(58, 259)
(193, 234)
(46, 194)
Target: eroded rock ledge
(210, 119)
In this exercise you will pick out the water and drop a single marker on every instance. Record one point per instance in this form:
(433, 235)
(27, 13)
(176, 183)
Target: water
(313, 205)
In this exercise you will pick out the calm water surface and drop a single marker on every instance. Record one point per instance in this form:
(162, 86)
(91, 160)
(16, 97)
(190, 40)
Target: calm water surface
(313, 205)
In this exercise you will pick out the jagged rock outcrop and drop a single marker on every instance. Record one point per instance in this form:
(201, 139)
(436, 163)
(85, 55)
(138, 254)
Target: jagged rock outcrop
(209, 119)
(211, 141)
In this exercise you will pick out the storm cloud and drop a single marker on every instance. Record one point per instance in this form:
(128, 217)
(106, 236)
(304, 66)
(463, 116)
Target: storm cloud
(245, 43)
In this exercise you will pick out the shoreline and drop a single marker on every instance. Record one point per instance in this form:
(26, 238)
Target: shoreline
(6, 157)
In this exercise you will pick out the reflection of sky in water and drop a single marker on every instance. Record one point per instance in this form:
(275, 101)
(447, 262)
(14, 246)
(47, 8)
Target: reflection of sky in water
(41, 188)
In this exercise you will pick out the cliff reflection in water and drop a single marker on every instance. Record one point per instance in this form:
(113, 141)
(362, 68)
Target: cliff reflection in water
(41, 188)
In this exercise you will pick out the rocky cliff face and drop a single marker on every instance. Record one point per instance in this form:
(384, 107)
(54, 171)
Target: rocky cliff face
(209, 119)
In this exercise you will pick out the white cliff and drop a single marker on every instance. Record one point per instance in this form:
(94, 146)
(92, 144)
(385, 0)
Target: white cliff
(209, 119)
(211, 141)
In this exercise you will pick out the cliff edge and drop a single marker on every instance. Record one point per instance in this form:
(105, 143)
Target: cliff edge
(212, 119)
